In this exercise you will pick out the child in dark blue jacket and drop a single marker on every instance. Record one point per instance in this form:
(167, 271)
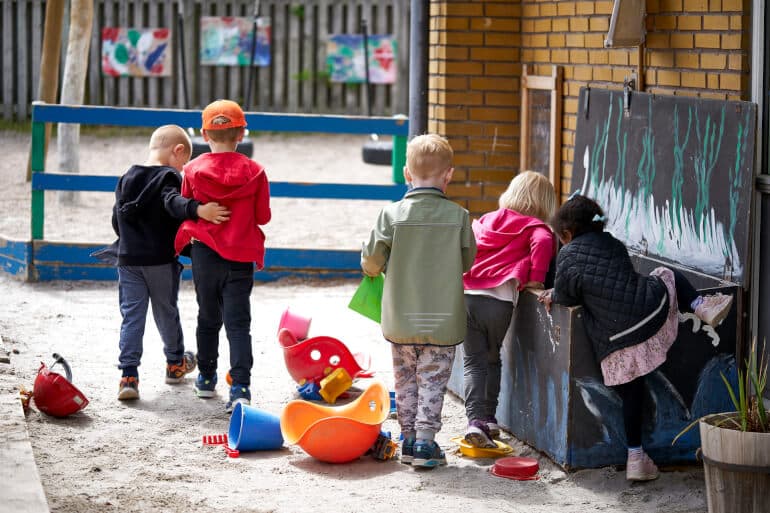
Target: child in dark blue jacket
(147, 213)
(631, 319)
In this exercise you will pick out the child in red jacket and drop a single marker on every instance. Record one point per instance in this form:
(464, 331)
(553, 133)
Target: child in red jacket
(515, 246)
(223, 256)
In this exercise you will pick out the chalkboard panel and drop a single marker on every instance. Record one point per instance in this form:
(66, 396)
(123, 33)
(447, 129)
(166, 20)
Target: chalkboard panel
(674, 175)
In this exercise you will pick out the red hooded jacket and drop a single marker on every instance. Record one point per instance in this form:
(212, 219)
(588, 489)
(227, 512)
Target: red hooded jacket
(238, 183)
(509, 245)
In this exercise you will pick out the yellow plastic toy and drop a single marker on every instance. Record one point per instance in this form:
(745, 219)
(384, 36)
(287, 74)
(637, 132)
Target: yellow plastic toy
(470, 451)
(337, 434)
(334, 384)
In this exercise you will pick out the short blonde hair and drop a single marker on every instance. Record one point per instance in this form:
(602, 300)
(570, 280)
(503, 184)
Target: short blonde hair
(168, 136)
(428, 155)
(530, 194)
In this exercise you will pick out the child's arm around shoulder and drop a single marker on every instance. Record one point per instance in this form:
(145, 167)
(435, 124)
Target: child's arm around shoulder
(182, 208)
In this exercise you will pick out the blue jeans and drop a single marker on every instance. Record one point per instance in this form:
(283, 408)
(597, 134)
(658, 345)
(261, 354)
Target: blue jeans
(488, 321)
(223, 290)
(138, 286)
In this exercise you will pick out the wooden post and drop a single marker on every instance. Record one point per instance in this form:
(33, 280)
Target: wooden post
(49, 65)
(73, 86)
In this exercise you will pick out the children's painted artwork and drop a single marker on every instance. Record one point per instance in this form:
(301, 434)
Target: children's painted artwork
(345, 59)
(136, 52)
(673, 175)
(226, 41)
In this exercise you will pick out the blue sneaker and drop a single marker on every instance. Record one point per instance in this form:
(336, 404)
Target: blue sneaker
(407, 450)
(238, 394)
(427, 453)
(205, 387)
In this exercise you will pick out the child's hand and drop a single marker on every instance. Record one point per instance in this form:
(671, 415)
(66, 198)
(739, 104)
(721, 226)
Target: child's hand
(545, 298)
(213, 212)
(533, 285)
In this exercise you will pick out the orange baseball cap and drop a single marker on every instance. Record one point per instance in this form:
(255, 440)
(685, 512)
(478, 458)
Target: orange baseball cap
(223, 109)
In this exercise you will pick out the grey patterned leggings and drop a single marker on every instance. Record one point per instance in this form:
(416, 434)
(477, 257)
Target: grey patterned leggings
(421, 374)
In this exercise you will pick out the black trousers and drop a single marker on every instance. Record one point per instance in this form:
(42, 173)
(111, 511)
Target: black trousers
(632, 395)
(223, 291)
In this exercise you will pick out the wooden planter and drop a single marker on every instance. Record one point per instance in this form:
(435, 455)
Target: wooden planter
(737, 467)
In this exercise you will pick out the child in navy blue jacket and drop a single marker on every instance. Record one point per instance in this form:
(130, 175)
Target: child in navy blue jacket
(631, 319)
(147, 213)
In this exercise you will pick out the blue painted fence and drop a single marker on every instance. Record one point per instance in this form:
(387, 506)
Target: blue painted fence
(41, 260)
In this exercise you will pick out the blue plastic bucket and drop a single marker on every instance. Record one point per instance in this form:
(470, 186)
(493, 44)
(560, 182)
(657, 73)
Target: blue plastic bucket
(252, 429)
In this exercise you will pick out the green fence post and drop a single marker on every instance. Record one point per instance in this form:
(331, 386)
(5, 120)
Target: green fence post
(398, 158)
(37, 164)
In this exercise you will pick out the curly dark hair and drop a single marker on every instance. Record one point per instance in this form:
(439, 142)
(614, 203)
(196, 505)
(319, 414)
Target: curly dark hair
(579, 215)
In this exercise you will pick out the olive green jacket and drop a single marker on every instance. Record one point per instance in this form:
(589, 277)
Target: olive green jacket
(424, 244)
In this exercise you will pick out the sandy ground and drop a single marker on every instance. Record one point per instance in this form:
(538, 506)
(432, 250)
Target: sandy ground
(148, 456)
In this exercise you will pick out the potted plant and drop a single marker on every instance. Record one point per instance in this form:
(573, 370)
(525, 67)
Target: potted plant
(735, 446)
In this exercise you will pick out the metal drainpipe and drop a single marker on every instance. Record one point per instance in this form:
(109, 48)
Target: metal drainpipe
(760, 94)
(418, 68)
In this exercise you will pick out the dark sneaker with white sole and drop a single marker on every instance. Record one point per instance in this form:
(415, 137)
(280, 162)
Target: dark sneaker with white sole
(238, 394)
(428, 454)
(205, 387)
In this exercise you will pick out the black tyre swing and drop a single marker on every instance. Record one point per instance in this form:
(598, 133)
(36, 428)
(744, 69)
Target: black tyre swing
(374, 151)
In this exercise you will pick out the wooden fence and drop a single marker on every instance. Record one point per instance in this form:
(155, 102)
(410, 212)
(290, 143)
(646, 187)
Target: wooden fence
(295, 81)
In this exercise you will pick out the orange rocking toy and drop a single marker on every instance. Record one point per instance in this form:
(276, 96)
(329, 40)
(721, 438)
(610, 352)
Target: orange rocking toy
(315, 358)
(337, 434)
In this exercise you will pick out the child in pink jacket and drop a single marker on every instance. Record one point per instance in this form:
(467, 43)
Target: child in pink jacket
(515, 248)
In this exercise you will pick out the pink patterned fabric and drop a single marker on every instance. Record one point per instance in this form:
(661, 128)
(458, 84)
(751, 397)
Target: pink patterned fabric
(631, 362)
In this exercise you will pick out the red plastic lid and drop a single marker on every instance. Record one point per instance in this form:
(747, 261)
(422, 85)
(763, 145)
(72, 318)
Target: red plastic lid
(516, 467)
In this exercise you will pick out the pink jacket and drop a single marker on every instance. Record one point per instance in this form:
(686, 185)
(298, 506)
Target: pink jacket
(510, 245)
(238, 183)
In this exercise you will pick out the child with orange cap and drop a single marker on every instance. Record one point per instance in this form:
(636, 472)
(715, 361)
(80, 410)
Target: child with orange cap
(224, 255)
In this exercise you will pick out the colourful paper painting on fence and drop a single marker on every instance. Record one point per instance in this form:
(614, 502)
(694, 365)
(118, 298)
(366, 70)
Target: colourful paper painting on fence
(226, 41)
(345, 59)
(136, 52)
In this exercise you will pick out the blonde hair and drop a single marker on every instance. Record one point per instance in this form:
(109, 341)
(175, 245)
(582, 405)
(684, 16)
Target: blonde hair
(168, 136)
(531, 194)
(428, 155)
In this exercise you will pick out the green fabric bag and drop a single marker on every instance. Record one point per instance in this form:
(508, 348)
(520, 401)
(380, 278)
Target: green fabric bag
(368, 297)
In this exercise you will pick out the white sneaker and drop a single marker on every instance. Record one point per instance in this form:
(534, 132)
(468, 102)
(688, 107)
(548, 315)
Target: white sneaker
(714, 308)
(639, 467)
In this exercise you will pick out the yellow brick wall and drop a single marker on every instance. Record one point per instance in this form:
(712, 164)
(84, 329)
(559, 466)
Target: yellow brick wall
(694, 48)
(474, 95)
